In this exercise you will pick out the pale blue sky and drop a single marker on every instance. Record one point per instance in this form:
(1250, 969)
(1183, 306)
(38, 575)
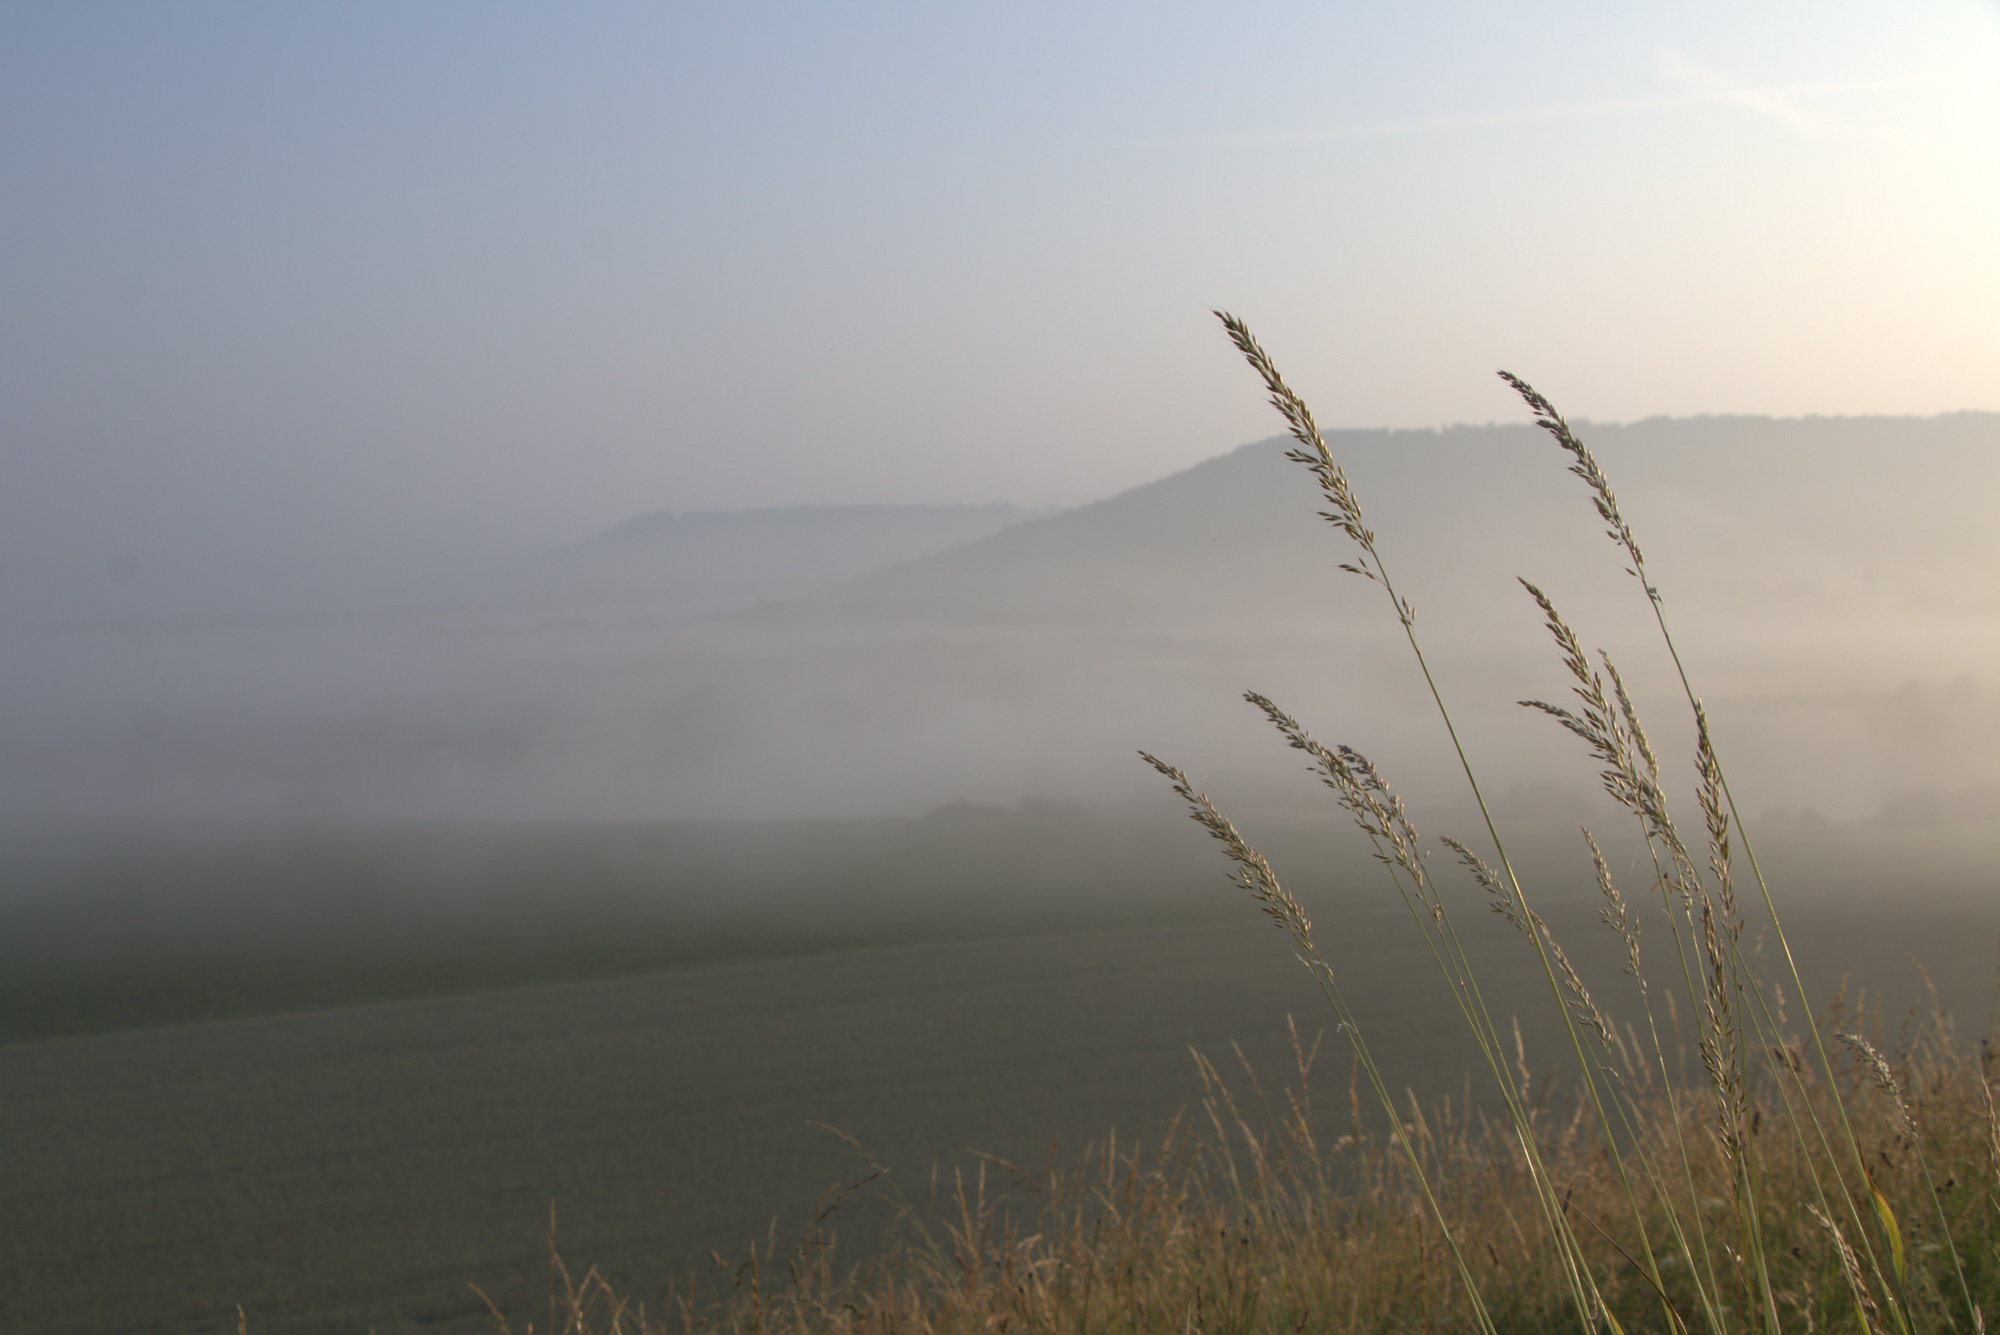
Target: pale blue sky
(319, 292)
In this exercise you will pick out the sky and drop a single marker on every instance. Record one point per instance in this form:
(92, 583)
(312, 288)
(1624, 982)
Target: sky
(301, 300)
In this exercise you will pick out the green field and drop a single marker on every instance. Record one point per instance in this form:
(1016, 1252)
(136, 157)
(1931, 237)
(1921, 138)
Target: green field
(108, 929)
(338, 1074)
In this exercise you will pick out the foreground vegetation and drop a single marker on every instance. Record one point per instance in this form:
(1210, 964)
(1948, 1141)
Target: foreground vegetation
(1802, 1179)
(1245, 1217)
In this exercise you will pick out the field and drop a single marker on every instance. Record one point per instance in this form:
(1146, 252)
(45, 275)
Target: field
(373, 1058)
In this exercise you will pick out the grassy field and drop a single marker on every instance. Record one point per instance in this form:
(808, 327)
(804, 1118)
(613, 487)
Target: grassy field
(342, 1168)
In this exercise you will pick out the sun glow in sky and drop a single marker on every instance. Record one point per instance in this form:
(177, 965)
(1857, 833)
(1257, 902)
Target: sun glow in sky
(301, 288)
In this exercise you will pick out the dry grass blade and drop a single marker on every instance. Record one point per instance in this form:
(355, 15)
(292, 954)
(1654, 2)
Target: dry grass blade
(1253, 873)
(1344, 511)
(1585, 467)
(1500, 896)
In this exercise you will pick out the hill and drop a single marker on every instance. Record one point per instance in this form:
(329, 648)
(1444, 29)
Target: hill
(709, 560)
(1830, 580)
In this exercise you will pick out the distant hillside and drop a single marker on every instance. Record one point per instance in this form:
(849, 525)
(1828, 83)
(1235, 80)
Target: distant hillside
(1831, 583)
(706, 560)
(1788, 518)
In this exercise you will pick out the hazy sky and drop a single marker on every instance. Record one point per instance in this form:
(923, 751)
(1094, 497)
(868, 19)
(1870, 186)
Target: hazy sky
(311, 291)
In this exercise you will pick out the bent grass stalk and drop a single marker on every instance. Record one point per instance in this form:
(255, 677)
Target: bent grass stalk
(1716, 796)
(1733, 1012)
(1254, 874)
(1345, 513)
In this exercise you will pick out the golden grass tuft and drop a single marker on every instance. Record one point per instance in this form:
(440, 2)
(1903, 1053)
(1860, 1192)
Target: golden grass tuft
(1243, 1218)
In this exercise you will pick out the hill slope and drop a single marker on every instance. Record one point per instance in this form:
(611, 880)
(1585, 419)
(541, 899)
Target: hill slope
(1830, 580)
(708, 560)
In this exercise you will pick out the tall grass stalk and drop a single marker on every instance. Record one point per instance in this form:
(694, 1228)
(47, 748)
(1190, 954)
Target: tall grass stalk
(1736, 1016)
(1715, 783)
(1254, 874)
(1344, 511)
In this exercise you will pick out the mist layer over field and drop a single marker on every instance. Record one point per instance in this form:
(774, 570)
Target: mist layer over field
(1829, 579)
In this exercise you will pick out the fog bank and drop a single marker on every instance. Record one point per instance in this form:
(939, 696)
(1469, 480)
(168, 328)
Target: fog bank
(1830, 582)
